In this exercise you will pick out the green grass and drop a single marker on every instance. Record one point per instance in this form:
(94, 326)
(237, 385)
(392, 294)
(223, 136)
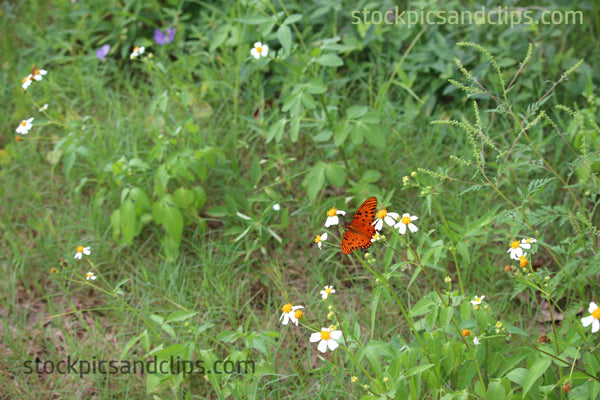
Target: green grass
(168, 167)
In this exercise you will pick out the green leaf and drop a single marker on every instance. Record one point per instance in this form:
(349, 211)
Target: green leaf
(418, 369)
(183, 197)
(330, 60)
(140, 198)
(276, 130)
(423, 306)
(535, 372)
(295, 129)
(335, 174)
(254, 20)
(168, 215)
(284, 35)
(496, 391)
(181, 315)
(323, 136)
(127, 217)
(341, 133)
(314, 180)
(292, 18)
(315, 86)
(356, 112)
(255, 170)
(130, 344)
(375, 136)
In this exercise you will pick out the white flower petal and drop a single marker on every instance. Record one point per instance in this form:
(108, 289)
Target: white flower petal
(586, 321)
(592, 307)
(336, 334)
(322, 347)
(401, 227)
(315, 337)
(595, 326)
(332, 344)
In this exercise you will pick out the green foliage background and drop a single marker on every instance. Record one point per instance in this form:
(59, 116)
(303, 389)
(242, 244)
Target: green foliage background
(168, 167)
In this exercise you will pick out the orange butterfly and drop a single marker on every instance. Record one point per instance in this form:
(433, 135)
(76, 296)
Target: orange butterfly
(360, 231)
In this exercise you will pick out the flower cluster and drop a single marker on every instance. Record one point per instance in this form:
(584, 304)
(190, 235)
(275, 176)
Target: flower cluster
(327, 337)
(36, 75)
(516, 251)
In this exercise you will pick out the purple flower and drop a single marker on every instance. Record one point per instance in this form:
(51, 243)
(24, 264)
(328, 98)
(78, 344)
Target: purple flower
(164, 38)
(102, 52)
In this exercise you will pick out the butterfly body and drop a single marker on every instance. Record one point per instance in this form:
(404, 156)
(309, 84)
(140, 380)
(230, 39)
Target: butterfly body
(360, 230)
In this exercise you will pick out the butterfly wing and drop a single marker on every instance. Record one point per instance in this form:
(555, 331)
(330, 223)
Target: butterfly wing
(360, 231)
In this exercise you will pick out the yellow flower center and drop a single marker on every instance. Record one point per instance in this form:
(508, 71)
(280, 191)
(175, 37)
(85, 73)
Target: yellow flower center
(523, 262)
(514, 244)
(332, 212)
(80, 249)
(405, 220)
(259, 49)
(328, 290)
(23, 123)
(53, 270)
(317, 238)
(596, 313)
(325, 335)
(466, 332)
(136, 48)
(298, 314)
(287, 308)
(37, 72)
(18, 138)
(527, 240)
(381, 213)
(90, 274)
(25, 79)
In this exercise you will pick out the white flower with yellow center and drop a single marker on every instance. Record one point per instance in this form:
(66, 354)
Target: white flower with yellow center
(326, 338)
(90, 276)
(516, 249)
(259, 50)
(332, 217)
(81, 251)
(477, 301)
(327, 290)
(25, 82)
(290, 313)
(25, 126)
(406, 221)
(592, 319)
(320, 238)
(526, 243)
(137, 51)
(39, 74)
(382, 216)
